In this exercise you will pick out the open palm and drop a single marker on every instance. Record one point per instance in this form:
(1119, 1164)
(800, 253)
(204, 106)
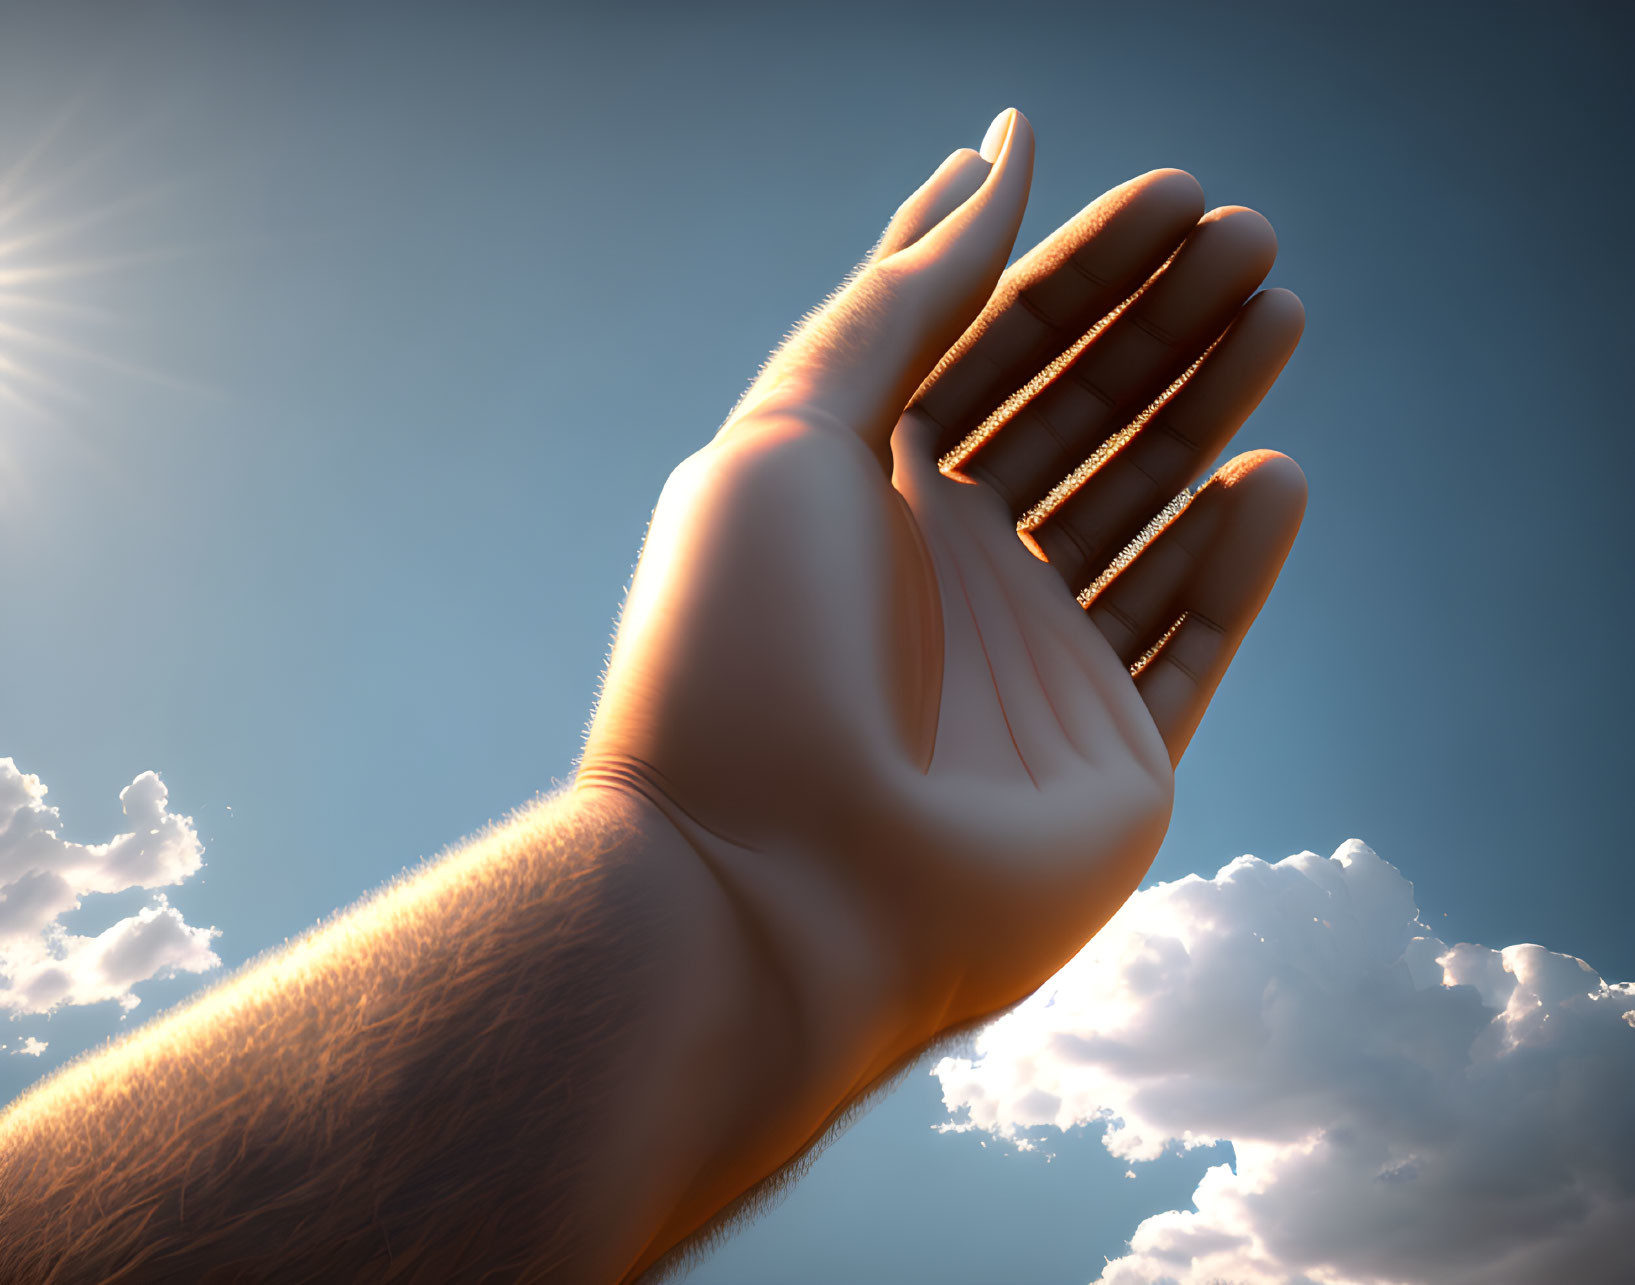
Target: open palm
(918, 761)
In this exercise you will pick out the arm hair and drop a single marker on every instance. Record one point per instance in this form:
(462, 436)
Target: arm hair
(403, 1092)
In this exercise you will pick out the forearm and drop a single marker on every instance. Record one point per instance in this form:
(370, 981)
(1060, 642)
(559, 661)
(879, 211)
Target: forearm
(534, 1057)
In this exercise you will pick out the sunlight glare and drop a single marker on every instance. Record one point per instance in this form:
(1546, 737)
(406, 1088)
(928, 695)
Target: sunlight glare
(50, 248)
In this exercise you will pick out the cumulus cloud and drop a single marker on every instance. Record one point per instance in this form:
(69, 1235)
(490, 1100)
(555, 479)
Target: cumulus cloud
(44, 967)
(1401, 1110)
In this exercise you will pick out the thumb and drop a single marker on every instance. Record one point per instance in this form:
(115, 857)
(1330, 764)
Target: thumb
(861, 356)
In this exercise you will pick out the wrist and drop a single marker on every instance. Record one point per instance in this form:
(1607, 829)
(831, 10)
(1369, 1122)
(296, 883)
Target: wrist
(801, 1017)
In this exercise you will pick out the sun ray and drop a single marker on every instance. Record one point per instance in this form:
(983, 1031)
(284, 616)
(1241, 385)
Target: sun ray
(18, 169)
(62, 348)
(39, 194)
(91, 218)
(12, 397)
(15, 373)
(11, 302)
(90, 267)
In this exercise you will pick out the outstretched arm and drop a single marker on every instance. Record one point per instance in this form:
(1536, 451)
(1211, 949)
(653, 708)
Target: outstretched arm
(510, 1061)
(866, 767)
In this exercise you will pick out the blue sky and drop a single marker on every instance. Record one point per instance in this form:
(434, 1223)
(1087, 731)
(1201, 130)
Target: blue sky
(373, 335)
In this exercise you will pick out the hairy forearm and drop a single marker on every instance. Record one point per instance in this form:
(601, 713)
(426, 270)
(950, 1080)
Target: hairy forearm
(549, 1055)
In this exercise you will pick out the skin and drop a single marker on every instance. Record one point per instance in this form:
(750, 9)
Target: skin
(864, 771)
(919, 768)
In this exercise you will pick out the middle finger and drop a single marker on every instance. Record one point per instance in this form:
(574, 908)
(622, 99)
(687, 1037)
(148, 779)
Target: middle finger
(1127, 366)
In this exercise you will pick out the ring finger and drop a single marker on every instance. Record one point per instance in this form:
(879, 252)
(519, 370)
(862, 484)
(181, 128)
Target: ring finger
(1108, 510)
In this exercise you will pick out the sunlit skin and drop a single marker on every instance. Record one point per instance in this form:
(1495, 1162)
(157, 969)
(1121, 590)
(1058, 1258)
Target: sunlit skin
(921, 768)
(864, 769)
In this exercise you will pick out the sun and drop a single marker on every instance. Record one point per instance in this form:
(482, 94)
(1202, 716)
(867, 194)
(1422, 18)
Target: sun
(53, 248)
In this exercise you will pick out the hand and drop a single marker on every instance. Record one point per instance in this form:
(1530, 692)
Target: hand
(922, 769)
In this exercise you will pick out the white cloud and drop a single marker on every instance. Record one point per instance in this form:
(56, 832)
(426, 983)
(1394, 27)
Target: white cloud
(43, 877)
(1401, 1110)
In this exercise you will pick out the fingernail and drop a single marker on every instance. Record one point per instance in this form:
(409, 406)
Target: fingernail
(994, 140)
